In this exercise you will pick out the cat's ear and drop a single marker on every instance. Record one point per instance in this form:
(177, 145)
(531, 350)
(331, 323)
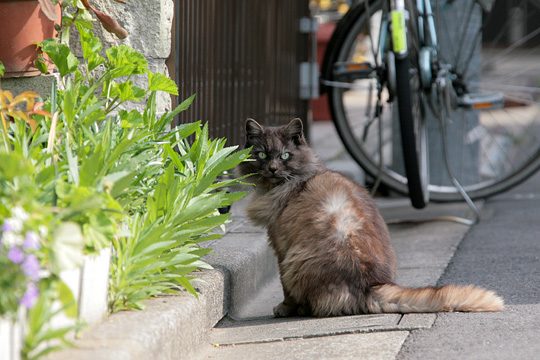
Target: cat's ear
(295, 131)
(253, 130)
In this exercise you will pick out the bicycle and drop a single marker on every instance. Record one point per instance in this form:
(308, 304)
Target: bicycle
(430, 73)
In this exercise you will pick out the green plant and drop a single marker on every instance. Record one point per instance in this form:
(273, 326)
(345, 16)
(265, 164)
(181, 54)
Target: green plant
(41, 339)
(179, 212)
(166, 186)
(33, 250)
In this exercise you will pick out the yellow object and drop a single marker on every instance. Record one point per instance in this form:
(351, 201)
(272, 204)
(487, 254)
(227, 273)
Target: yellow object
(325, 4)
(399, 32)
(22, 107)
(343, 8)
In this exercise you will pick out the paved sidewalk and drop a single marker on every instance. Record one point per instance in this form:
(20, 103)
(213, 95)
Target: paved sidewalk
(501, 253)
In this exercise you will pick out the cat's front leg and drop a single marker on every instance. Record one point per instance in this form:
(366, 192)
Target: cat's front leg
(289, 307)
(286, 308)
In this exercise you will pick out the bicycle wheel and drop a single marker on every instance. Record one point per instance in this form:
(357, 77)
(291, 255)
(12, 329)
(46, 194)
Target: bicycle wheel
(366, 88)
(491, 149)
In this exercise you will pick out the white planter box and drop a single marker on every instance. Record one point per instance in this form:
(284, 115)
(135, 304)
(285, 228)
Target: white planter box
(90, 286)
(94, 289)
(11, 338)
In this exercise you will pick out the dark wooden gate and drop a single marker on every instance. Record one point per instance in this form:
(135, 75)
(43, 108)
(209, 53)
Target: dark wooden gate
(242, 58)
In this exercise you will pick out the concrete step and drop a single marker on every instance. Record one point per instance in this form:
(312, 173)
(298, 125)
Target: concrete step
(248, 263)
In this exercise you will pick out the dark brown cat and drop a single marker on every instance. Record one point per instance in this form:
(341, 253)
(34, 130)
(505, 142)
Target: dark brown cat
(331, 242)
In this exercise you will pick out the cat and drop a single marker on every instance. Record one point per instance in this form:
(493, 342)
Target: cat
(332, 244)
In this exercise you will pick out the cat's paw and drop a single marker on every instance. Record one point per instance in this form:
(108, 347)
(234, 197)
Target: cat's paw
(283, 310)
(303, 311)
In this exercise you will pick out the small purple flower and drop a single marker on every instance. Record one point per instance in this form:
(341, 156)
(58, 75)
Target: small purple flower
(12, 225)
(30, 267)
(30, 296)
(31, 241)
(16, 255)
(7, 226)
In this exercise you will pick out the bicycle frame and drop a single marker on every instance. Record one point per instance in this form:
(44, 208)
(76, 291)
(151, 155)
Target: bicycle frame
(393, 25)
(398, 31)
(427, 56)
(425, 14)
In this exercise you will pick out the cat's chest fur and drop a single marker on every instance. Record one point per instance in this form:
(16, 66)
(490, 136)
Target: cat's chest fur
(266, 209)
(266, 206)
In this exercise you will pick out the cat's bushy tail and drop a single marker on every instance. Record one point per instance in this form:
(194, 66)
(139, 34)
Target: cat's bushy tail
(390, 298)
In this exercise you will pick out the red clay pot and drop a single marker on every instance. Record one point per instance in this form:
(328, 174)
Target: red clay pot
(22, 26)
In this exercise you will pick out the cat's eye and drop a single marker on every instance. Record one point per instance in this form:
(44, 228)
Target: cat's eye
(285, 155)
(261, 155)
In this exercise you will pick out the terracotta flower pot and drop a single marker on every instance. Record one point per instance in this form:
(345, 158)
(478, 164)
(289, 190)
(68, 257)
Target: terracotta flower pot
(23, 25)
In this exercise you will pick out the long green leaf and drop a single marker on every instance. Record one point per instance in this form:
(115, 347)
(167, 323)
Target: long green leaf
(169, 116)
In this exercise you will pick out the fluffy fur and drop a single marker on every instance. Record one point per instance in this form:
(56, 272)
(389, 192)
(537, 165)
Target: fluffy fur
(330, 240)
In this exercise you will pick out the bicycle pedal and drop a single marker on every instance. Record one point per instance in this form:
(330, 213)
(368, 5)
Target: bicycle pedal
(353, 70)
(482, 101)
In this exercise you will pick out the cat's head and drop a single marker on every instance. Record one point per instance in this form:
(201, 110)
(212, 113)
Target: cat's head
(279, 154)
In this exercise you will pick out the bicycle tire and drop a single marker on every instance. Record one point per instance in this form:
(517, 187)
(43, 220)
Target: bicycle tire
(346, 31)
(412, 129)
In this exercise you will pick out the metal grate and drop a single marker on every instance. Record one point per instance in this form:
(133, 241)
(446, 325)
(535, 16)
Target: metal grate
(242, 58)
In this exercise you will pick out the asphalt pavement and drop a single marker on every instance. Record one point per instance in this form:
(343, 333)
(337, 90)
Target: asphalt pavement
(502, 253)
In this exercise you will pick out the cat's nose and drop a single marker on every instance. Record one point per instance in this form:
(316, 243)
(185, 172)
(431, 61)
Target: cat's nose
(272, 168)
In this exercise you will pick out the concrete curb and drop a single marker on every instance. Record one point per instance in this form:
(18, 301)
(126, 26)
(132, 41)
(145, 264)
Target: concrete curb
(171, 326)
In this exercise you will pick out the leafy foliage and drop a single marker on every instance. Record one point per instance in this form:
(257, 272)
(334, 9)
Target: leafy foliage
(108, 23)
(179, 212)
(163, 187)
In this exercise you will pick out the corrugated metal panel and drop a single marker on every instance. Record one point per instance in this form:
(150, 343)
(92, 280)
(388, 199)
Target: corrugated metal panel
(242, 58)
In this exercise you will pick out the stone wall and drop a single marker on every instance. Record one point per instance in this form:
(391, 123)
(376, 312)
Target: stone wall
(149, 24)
